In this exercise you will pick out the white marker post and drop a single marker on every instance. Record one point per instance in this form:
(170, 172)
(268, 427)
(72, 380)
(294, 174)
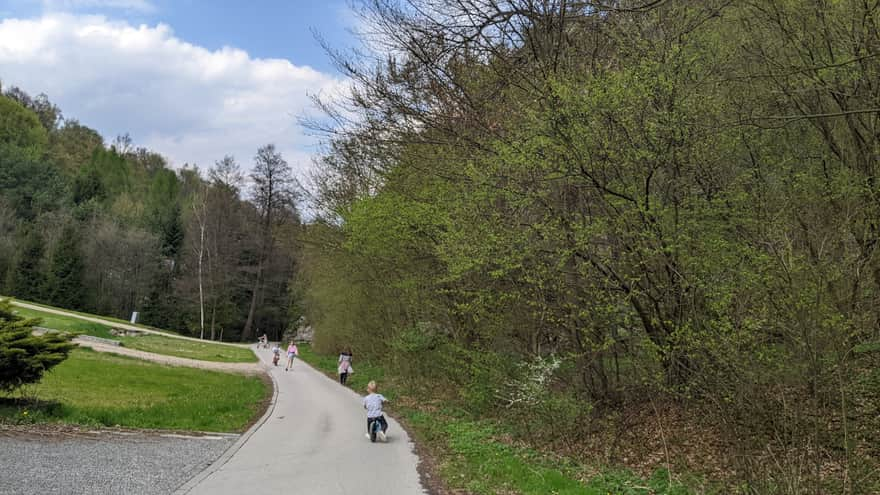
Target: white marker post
(134, 317)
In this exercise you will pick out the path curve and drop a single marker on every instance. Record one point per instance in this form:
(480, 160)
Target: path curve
(245, 368)
(311, 441)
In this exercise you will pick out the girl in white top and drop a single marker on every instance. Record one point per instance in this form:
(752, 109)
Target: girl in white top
(344, 367)
(292, 351)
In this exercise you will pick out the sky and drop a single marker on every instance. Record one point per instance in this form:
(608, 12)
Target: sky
(193, 80)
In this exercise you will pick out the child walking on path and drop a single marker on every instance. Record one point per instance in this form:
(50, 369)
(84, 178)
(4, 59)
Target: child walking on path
(373, 404)
(292, 352)
(345, 368)
(276, 354)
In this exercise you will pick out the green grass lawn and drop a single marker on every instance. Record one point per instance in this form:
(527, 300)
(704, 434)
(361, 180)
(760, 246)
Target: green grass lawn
(476, 461)
(473, 459)
(99, 389)
(204, 351)
(58, 322)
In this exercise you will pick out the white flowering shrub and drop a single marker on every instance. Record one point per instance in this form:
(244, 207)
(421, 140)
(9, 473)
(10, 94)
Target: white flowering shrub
(529, 386)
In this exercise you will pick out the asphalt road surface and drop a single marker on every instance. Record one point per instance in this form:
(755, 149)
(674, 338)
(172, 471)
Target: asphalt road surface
(312, 442)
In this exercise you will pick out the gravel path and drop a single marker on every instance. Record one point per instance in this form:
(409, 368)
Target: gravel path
(247, 368)
(103, 462)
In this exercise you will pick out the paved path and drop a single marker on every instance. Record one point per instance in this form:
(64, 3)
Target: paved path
(312, 443)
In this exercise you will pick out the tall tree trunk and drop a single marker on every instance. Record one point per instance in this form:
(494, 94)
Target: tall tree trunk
(201, 212)
(247, 333)
(213, 318)
(201, 289)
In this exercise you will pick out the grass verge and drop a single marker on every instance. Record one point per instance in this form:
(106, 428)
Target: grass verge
(99, 389)
(474, 456)
(89, 315)
(203, 351)
(170, 346)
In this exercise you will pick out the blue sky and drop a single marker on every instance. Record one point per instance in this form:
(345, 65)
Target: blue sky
(263, 28)
(191, 79)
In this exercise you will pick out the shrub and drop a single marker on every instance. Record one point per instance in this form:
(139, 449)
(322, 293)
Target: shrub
(24, 357)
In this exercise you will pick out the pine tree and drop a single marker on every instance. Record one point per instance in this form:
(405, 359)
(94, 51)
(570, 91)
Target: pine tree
(65, 281)
(24, 357)
(26, 279)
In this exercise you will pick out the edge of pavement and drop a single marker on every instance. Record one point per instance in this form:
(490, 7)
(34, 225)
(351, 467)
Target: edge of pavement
(224, 458)
(423, 467)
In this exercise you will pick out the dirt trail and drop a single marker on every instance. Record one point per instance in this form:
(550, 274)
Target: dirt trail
(246, 368)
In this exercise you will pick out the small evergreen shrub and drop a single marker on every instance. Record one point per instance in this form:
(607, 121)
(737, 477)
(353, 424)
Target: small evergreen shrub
(24, 357)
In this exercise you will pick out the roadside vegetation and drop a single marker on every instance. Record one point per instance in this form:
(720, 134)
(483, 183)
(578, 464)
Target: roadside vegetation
(100, 389)
(205, 351)
(483, 457)
(639, 233)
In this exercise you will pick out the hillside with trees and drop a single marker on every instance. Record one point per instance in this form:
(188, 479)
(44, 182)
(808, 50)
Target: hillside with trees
(113, 229)
(644, 232)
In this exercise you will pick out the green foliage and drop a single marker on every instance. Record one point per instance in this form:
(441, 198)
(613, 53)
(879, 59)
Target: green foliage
(87, 185)
(72, 146)
(163, 211)
(113, 169)
(677, 201)
(25, 357)
(29, 186)
(65, 281)
(46, 112)
(114, 230)
(27, 276)
(20, 130)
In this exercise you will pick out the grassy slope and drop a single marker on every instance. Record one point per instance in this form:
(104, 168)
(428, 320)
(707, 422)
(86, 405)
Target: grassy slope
(80, 313)
(473, 456)
(205, 351)
(100, 389)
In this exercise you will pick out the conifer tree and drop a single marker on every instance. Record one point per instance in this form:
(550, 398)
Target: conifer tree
(26, 278)
(65, 280)
(24, 357)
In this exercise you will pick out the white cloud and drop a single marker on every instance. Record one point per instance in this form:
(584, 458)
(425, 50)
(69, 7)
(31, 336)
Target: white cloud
(71, 5)
(186, 102)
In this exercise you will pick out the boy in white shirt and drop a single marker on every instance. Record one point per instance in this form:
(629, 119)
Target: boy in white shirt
(373, 405)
